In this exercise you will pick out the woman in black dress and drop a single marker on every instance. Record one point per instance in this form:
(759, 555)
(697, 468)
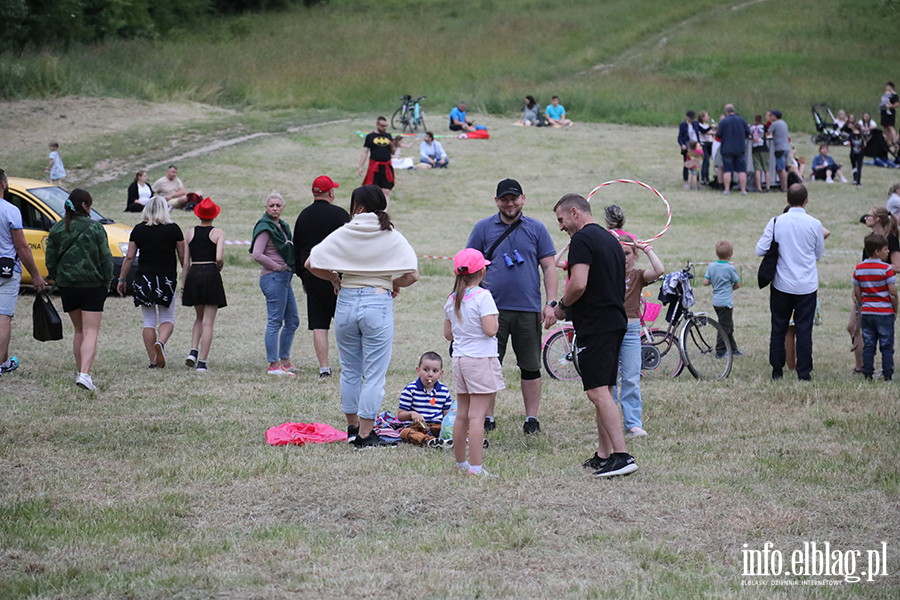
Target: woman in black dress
(203, 288)
(159, 240)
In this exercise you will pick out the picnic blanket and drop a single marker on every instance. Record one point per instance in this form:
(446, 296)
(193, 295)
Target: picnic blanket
(303, 433)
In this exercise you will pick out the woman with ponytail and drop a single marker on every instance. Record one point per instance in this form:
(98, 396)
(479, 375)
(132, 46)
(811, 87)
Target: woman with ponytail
(79, 262)
(367, 261)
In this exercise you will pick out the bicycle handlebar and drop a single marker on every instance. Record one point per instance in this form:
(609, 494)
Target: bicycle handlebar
(419, 98)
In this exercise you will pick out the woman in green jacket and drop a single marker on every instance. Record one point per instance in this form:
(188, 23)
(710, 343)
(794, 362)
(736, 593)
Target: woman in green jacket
(79, 261)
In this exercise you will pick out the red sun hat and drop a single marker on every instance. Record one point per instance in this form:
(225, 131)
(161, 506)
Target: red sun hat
(207, 210)
(323, 184)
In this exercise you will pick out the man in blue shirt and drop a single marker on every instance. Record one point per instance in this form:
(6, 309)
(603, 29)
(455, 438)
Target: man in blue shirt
(14, 252)
(458, 120)
(556, 113)
(515, 282)
(734, 132)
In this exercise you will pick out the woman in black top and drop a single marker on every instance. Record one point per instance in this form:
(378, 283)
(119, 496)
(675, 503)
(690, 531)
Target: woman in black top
(153, 289)
(139, 192)
(203, 287)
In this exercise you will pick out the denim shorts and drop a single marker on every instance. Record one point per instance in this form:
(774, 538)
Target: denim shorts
(734, 163)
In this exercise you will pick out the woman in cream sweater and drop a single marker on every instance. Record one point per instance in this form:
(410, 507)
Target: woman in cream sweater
(367, 261)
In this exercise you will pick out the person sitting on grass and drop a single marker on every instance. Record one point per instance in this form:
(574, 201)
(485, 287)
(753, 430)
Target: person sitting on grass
(556, 114)
(458, 121)
(531, 114)
(875, 288)
(432, 154)
(425, 401)
(824, 167)
(724, 279)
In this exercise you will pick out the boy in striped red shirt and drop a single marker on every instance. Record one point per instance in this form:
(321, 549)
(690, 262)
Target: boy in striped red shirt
(875, 288)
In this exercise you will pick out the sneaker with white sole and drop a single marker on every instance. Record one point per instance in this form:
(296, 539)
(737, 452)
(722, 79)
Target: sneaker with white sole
(289, 368)
(635, 432)
(620, 463)
(595, 462)
(480, 473)
(192, 358)
(10, 365)
(84, 381)
(279, 371)
(160, 355)
(323, 375)
(201, 366)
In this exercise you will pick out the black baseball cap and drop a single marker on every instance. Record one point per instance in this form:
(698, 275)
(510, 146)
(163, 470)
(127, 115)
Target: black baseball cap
(509, 186)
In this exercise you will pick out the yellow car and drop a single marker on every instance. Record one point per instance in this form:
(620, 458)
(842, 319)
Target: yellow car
(42, 205)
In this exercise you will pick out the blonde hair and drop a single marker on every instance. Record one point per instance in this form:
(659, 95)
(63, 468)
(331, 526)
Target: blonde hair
(894, 189)
(156, 211)
(462, 283)
(724, 249)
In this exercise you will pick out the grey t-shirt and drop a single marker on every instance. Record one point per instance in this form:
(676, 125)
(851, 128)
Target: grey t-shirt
(780, 139)
(893, 205)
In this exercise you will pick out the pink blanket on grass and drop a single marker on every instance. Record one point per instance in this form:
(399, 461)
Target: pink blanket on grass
(303, 433)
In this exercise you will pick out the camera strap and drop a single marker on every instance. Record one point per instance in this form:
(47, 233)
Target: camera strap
(489, 255)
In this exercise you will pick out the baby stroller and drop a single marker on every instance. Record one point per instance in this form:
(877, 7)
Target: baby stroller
(826, 133)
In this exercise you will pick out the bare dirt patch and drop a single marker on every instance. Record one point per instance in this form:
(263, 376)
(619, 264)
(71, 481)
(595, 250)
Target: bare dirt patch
(74, 118)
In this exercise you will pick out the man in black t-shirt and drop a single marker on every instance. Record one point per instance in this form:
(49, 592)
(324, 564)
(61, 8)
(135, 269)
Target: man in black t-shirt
(377, 149)
(314, 224)
(596, 294)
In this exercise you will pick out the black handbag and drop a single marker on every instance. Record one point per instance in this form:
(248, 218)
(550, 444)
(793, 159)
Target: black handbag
(47, 324)
(766, 273)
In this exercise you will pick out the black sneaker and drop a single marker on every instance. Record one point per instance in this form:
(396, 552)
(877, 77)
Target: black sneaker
(595, 462)
(370, 441)
(192, 358)
(324, 375)
(531, 427)
(489, 425)
(619, 463)
(201, 366)
(352, 432)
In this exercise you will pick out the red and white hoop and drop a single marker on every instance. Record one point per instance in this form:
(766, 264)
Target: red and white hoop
(643, 185)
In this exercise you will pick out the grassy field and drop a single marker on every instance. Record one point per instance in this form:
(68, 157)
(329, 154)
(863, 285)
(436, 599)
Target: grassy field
(608, 61)
(161, 485)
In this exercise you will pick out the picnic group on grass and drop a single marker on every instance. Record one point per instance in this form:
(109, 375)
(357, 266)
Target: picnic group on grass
(352, 266)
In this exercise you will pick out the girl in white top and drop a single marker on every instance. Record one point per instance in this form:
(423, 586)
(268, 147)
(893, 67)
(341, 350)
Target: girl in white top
(471, 323)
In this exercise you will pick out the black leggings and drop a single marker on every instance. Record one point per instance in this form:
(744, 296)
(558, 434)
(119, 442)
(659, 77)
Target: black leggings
(856, 159)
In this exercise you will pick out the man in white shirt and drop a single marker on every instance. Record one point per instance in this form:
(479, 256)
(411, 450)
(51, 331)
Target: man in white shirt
(801, 242)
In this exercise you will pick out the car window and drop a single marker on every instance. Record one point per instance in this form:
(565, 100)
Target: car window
(31, 217)
(55, 199)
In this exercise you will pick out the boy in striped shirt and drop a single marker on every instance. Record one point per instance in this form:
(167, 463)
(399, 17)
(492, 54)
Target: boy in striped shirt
(875, 288)
(425, 401)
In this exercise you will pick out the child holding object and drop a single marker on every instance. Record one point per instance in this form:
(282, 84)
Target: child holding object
(628, 394)
(425, 401)
(875, 288)
(693, 160)
(471, 323)
(724, 279)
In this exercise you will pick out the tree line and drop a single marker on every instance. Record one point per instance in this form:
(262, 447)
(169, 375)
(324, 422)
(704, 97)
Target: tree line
(58, 24)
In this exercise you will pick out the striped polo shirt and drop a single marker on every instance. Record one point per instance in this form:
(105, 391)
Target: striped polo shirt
(431, 405)
(873, 278)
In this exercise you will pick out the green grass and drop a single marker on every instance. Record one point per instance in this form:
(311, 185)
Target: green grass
(161, 484)
(608, 61)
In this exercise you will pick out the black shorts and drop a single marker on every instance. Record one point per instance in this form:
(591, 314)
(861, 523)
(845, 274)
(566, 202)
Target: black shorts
(86, 299)
(380, 179)
(598, 358)
(888, 120)
(320, 303)
(456, 128)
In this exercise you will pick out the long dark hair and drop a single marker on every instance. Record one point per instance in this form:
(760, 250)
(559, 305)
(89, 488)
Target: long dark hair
(81, 204)
(529, 101)
(370, 198)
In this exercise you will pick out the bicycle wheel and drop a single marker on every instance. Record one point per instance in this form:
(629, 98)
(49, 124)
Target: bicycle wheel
(421, 121)
(408, 122)
(698, 345)
(397, 118)
(670, 363)
(559, 355)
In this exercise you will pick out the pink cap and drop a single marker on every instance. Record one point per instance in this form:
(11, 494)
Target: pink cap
(469, 260)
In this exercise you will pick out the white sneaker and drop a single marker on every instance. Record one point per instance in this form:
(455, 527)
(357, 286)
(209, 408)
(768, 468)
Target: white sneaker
(84, 381)
(279, 371)
(829, 180)
(635, 432)
(482, 473)
(843, 179)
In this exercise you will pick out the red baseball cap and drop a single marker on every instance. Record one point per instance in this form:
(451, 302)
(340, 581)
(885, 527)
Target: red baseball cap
(323, 184)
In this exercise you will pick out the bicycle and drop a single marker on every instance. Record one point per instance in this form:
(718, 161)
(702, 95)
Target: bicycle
(410, 116)
(663, 353)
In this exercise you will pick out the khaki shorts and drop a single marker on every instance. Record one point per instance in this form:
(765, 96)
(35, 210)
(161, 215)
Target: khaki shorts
(477, 375)
(525, 330)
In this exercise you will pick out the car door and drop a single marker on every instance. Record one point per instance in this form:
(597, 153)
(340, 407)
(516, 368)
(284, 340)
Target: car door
(36, 225)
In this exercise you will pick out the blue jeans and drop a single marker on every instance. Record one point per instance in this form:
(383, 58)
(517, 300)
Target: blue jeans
(630, 369)
(878, 329)
(283, 318)
(364, 330)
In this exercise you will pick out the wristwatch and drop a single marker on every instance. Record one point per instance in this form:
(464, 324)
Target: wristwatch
(552, 304)
(561, 306)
